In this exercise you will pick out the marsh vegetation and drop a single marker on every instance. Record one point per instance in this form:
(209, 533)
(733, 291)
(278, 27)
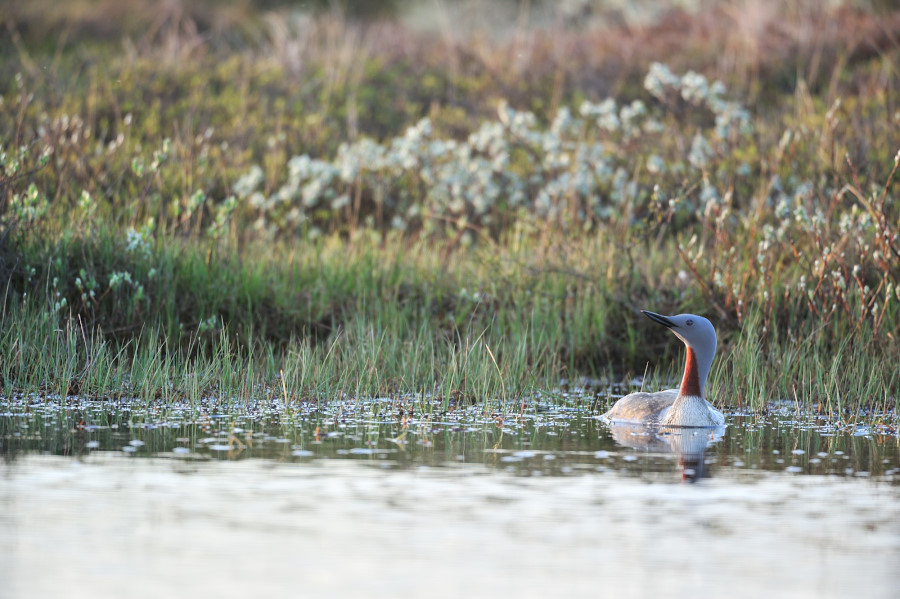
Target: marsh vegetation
(236, 200)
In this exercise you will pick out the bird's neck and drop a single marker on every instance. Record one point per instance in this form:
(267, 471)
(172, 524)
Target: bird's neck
(690, 383)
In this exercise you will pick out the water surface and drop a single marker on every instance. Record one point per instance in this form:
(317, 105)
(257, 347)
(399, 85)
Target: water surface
(385, 499)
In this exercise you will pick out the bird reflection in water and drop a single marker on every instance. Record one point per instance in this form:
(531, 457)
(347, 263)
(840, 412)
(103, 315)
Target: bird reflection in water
(688, 444)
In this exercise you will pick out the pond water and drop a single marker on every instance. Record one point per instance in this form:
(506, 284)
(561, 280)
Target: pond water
(396, 498)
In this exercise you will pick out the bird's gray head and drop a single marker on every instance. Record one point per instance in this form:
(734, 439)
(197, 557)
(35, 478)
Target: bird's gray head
(697, 333)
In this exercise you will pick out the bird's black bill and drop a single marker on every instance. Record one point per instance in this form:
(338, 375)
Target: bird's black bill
(659, 319)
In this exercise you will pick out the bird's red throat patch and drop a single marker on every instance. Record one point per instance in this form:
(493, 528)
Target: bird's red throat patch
(690, 384)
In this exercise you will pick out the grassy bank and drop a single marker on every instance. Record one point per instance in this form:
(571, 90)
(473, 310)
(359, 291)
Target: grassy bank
(256, 210)
(380, 318)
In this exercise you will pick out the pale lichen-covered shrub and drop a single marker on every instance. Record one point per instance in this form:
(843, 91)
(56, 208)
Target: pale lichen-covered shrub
(579, 170)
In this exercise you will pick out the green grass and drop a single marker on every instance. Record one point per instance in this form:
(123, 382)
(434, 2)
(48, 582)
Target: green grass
(158, 240)
(487, 325)
(362, 318)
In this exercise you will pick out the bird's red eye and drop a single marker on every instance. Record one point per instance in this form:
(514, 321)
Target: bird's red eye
(689, 322)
